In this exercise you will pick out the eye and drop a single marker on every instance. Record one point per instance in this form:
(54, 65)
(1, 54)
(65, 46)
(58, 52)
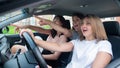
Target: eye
(77, 19)
(81, 23)
(88, 23)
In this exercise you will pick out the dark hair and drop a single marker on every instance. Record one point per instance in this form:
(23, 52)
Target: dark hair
(80, 15)
(64, 25)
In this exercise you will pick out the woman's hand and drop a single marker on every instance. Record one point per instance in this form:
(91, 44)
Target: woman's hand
(18, 27)
(29, 31)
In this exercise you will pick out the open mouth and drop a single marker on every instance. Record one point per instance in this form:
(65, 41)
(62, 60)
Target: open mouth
(84, 30)
(75, 26)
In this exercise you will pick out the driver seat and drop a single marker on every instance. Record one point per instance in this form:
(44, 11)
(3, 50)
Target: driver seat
(112, 29)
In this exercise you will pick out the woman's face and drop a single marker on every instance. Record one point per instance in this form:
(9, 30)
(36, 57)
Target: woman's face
(86, 29)
(57, 21)
(76, 23)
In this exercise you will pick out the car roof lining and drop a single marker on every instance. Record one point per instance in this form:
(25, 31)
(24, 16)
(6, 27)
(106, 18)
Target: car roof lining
(98, 7)
(102, 8)
(12, 5)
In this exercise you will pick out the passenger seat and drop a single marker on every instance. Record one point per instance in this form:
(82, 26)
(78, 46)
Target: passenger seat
(112, 29)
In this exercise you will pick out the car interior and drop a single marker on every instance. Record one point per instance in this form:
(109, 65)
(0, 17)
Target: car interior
(28, 8)
(113, 32)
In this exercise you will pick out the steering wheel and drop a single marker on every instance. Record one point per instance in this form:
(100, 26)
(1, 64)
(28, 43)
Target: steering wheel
(31, 45)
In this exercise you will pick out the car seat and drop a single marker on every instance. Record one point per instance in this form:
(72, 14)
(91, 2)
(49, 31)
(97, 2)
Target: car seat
(112, 29)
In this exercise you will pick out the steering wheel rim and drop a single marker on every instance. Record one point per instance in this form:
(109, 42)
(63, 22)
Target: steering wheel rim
(31, 45)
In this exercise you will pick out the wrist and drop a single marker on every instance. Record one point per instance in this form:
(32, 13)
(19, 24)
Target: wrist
(50, 23)
(36, 40)
(26, 26)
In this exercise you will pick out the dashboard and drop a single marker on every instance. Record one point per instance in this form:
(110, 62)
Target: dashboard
(5, 53)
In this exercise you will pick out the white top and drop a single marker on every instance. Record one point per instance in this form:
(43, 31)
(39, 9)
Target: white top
(84, 52)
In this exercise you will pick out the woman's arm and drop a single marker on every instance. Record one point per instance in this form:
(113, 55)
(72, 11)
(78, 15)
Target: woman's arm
(39, 29)
(35, 28)
(63, 47)
(60, 47)
(53, 56)
(66, 32)
(102, 60)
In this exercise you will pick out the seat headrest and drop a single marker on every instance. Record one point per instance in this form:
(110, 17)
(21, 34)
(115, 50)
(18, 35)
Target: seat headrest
(68, 24)
(112, 27)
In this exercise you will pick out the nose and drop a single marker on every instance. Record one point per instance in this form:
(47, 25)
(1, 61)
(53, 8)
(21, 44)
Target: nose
(74, 23)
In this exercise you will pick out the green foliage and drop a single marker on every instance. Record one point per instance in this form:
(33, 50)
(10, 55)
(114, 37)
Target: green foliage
(46, 27)
(12, 29)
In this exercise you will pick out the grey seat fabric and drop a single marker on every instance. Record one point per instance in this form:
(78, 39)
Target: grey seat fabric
(114, 64)
(112, 29)
(68, 24)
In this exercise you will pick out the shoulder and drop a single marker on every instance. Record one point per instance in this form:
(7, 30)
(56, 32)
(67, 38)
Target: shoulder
(74, 35)
(105, 46)
(74, 32)
(104, 42)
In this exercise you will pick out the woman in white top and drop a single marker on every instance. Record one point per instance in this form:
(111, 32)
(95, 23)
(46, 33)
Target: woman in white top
(92, 50)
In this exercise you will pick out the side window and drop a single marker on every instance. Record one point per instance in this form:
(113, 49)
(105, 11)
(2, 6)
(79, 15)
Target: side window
(34, 21)
(111, 19)
(30, 21)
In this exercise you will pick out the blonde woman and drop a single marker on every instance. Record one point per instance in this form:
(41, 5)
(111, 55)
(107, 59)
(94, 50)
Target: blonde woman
(92, 50)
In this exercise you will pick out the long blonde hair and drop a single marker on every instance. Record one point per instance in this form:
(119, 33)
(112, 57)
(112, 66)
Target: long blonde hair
(97, 27)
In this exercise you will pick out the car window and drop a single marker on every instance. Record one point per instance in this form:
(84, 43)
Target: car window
(34, 21)
(5, 17)
(29, 21)
(111, 19)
